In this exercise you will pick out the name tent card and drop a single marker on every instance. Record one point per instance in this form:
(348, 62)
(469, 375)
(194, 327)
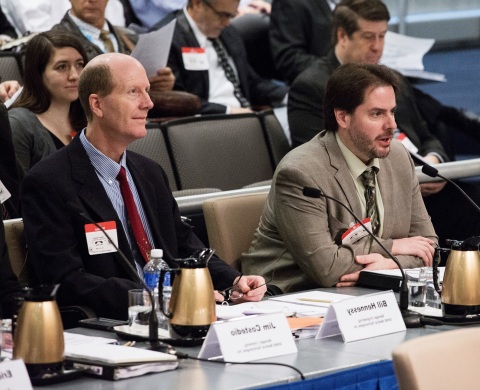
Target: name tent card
(363, 317)
(249, 338)
(14, 376)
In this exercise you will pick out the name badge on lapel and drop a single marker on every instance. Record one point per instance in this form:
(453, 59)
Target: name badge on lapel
(194, 58)
(97, 242)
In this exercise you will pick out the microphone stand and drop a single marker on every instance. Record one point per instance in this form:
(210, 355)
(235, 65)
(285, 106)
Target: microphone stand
(155, 344)
(412, 319)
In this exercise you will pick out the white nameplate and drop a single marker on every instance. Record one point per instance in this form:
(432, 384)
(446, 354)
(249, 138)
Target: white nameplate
(14, 376)
(249, 338)
(363, 317)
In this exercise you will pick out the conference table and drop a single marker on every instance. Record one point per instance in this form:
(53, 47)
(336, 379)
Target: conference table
(315, 358)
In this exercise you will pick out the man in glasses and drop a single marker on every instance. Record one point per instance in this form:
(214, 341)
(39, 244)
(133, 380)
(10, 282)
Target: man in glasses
(208, 59)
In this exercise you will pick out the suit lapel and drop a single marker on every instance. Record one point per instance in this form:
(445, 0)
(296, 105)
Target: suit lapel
(189, 40)
(342, 173)
(387, 192)
(94, 198)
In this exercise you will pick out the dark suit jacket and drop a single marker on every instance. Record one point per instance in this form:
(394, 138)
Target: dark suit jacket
(92, 50)
(300, 32)
(257, 90)
(306, 116)
(64, 184)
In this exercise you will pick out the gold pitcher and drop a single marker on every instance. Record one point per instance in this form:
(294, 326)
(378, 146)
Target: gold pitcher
(192, 305)
(460, 292)
(38, 337)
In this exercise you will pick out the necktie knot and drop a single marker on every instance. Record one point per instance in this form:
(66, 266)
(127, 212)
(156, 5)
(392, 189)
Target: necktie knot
(107, 42)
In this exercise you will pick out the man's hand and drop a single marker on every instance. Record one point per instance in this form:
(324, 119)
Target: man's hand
(371, 261)
(415, 246)
(8, 89)
(249, 288)
(239, 110)
(255, 7)
(163, 81)
(432, 187)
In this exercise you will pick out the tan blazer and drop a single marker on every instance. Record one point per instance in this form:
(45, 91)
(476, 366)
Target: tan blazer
(296, 242)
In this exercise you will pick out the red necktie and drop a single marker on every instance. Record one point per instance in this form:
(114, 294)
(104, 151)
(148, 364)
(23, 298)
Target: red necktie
(135, 221)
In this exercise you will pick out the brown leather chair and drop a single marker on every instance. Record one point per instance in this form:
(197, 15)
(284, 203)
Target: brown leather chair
(445, 360)
(173, 104)
(231, 223)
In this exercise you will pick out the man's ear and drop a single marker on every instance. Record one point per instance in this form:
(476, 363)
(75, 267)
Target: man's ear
(342, 117)
(96, 105)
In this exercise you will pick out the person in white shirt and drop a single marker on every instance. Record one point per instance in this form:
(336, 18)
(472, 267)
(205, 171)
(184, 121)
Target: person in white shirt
(42, 15)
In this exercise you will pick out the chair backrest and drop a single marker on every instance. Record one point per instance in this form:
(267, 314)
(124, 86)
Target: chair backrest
(154, 147)
(11, 67)
(276, 137)
(218, 151)
(231, 223)
(445, 360)
(17, 250)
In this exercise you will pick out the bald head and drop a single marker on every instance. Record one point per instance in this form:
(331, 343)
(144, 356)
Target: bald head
(101, 75)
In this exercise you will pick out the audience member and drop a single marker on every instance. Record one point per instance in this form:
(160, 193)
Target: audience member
(360, 27)
(209, 60)
(48, 111)
(80, 183)
(87, 20)
(10, 176)
(299, 240)
(300, 32)
(150, 12)
(41, 15)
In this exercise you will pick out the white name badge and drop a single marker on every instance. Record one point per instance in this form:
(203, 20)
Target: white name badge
(356, 232)
(194, 58)
(402, 137)
(97, 242)
(249, 338)
(4, 194)
(363, 317)
(14, 376)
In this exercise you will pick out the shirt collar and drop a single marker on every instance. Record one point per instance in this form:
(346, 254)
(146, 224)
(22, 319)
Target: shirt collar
(105, 166)
(88, 29)
(201, 37)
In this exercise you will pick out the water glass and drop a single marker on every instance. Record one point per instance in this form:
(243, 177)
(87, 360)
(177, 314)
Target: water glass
(417, 287)
(139, 307)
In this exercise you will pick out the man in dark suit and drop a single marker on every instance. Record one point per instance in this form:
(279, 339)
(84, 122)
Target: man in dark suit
(88, 22)
(300, 32)
(65, 192)
(202, 28)
(360, 27)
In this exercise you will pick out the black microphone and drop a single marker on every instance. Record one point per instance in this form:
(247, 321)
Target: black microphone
(433, 172)
(412, 319)
(155, 344)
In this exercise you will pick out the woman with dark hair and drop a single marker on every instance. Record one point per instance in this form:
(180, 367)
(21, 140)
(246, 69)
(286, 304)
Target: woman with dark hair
(47, 113)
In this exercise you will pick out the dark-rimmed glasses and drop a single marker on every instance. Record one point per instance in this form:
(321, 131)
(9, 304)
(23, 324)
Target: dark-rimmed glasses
(231, 294)
(220, 14)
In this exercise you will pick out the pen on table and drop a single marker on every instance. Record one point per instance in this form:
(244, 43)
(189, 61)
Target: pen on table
(314, 300)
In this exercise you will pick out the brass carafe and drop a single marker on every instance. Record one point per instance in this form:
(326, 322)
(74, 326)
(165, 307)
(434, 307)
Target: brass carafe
(192, 305)
(460, 292)
(38, 337)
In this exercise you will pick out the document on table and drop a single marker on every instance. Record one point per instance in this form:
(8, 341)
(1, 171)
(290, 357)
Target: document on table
(74, 339)
(153, 48)
(319, 299)
(405, 54)
(225, 312)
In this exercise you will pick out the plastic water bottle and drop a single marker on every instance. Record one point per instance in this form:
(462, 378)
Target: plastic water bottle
(151, 271)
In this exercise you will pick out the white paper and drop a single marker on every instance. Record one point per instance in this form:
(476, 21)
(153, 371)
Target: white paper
(311, 298)
(72, 339)
(153, 48)
(403, 52)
